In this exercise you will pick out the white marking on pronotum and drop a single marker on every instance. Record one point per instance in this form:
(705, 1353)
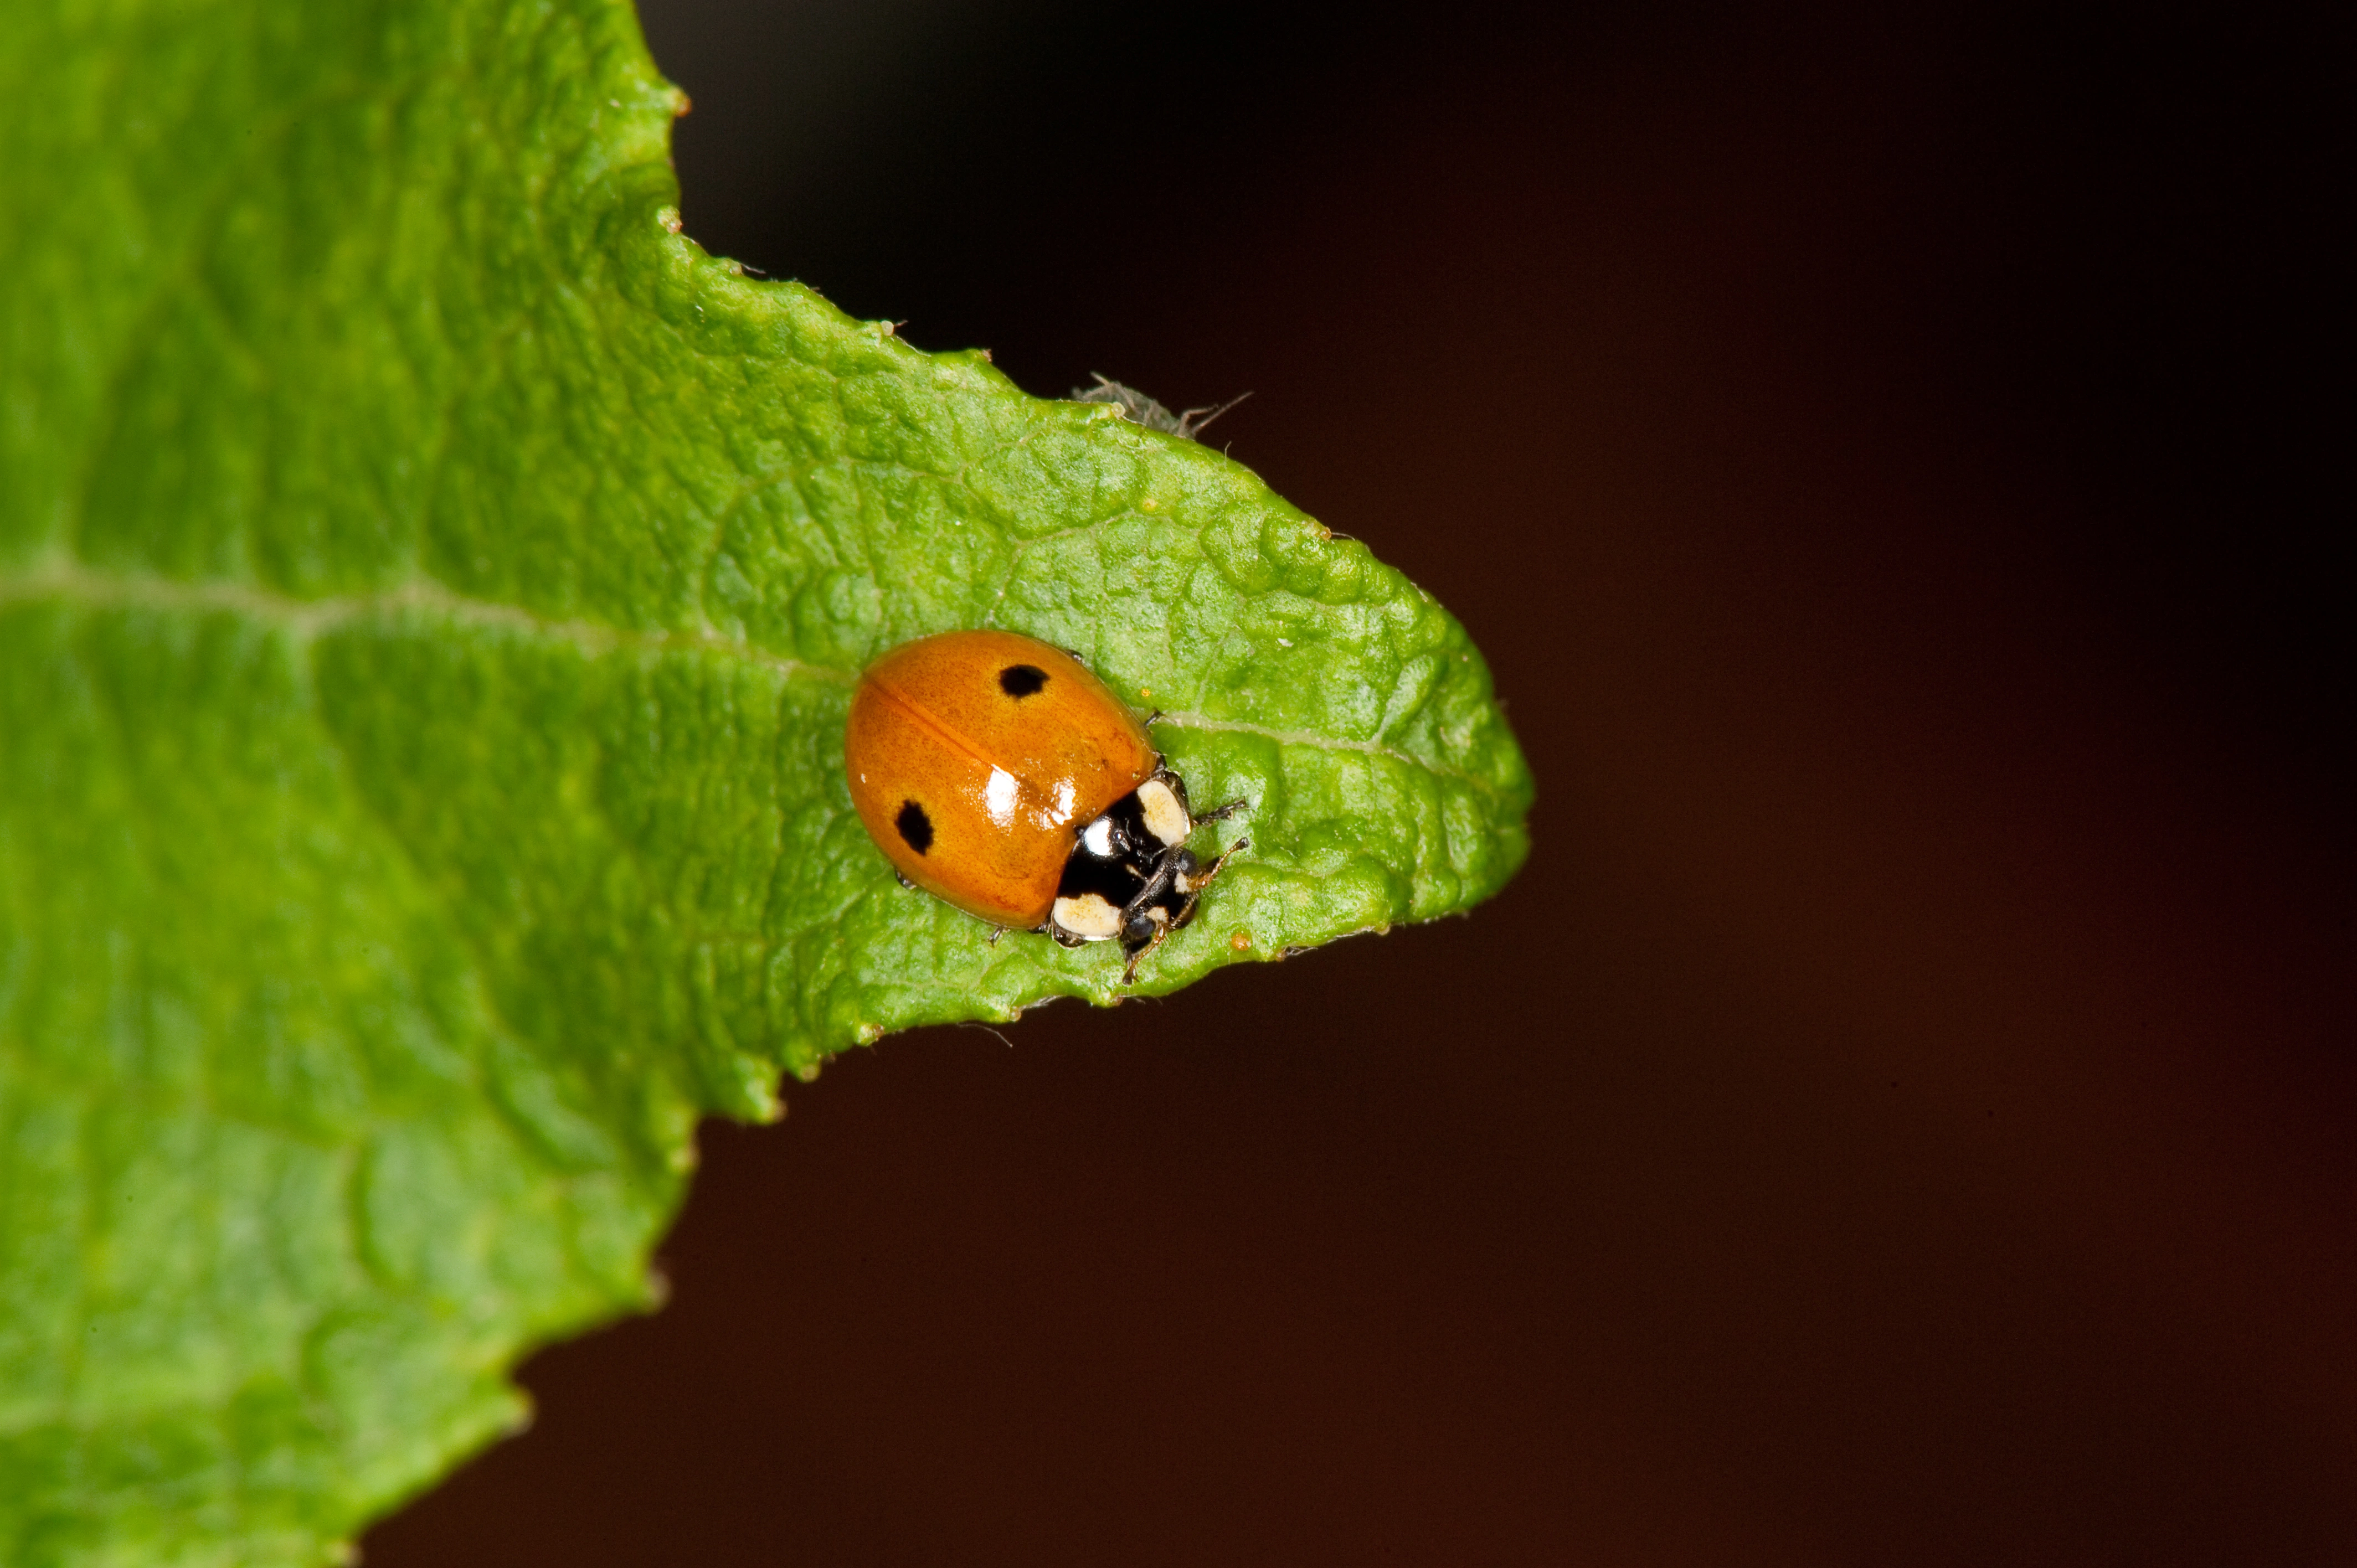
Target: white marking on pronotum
(1088, 916)
(998, 798)
(1166, 819)
(1098, 837)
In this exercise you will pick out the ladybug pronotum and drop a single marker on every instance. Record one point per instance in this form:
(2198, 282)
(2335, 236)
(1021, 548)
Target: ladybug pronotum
(1000, 775)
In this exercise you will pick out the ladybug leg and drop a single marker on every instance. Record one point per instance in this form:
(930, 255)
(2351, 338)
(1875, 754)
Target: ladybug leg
(996, 933)
(1158, 888)
(1129, 969)
(1146, 922)
(1196, 884)
(1166, 879)
(1162, 930)
(904, 881)
(1221, 813)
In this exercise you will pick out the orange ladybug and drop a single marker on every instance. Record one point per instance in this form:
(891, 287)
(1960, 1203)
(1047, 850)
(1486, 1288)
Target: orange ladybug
(1000, 775)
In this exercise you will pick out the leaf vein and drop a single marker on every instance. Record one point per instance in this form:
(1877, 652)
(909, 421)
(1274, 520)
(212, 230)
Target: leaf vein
(306, 618)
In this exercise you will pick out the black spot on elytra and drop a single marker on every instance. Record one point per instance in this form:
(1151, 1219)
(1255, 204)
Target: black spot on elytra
(1022, 680)
(916, 828)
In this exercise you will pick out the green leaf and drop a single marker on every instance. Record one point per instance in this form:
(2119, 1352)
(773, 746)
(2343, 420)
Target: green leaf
(430, 588)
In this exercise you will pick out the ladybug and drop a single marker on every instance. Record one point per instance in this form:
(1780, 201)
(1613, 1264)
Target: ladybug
(1002, 777)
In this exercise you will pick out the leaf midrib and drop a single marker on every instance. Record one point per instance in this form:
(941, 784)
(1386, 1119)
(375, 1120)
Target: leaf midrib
(306, 618)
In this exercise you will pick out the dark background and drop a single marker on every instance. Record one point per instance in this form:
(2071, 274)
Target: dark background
(1897, 465)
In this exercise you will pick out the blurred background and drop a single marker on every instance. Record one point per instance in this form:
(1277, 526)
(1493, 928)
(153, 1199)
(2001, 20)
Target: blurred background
(1906, 1112)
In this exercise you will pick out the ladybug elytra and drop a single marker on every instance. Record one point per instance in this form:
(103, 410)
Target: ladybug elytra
(1001, 775)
